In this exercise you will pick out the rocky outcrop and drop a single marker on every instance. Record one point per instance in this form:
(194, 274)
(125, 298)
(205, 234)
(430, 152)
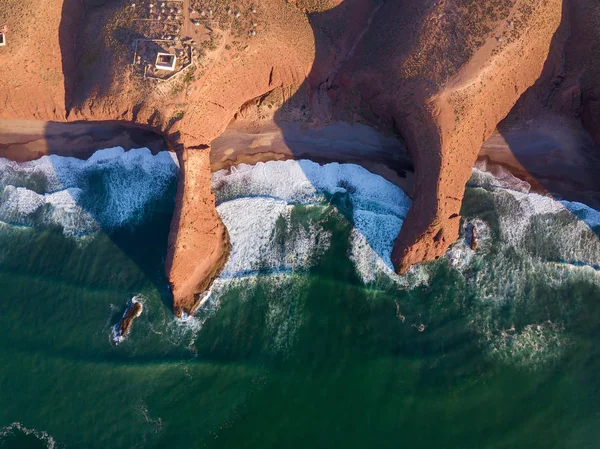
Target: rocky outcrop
(133, 311)
(473, 236)
(463, 114)
(457, 69)
(198, 241)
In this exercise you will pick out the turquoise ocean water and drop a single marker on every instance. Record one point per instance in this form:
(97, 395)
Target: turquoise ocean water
(308, 339)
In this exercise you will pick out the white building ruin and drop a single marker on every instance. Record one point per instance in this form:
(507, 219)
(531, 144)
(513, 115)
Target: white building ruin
(165, 61)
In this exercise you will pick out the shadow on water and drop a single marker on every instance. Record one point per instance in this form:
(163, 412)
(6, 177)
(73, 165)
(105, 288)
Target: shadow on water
(104, 185)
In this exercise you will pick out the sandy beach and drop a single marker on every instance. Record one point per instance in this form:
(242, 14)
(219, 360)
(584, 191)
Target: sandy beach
(556, 158)
(26, 140)
(337, 142)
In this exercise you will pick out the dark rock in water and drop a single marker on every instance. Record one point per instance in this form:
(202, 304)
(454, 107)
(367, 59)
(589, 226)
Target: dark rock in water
(121, 330)
(473, 239)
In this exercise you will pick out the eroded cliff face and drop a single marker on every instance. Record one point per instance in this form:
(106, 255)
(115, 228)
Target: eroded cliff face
(444, 79)
(441, 73)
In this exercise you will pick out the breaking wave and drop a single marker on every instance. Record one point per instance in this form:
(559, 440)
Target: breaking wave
(530, 246)
(277, 216)
(536, 235)
(523, 239)
(80, 197)
(269, 234)
(262, 206)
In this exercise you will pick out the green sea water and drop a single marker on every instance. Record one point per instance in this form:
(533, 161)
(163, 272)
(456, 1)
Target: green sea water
(501, 351)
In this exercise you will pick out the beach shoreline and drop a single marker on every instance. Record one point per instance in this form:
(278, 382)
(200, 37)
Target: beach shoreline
(337, 142)
(558, 164)
(555, 158)
(27, 140)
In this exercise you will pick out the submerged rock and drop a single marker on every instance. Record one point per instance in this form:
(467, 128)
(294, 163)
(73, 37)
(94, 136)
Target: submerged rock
(133, 311)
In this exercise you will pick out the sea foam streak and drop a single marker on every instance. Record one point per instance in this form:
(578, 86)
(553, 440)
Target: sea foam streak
(108, 190)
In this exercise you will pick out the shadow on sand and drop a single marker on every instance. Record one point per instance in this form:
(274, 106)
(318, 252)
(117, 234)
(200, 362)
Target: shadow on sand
(542, 140)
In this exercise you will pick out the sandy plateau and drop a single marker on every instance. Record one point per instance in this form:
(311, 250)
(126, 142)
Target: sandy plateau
(393, 86)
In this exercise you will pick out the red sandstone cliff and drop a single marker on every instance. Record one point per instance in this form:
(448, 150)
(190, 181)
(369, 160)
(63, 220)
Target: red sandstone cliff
(442, 73)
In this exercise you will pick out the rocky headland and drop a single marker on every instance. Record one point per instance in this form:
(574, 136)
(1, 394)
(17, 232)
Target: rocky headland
(442, 76)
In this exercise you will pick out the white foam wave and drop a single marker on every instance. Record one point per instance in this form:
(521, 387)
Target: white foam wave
(539, 241)
(264, 236)
(253, 199)
(372, 240)
(539, 237)
(589, 216)
(17, 427)
(305, 182)
(108, 190)
(497, 176)
(275, 214)
(551, 229)
(22, 207)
